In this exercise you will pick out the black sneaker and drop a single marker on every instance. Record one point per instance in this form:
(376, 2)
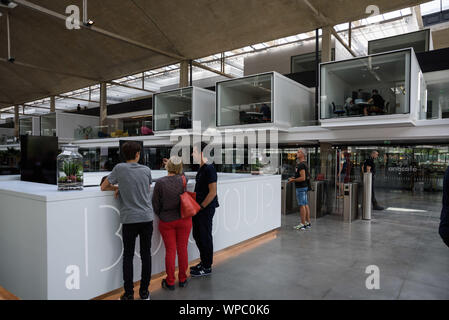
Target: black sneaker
(144, 295)
(201, 272)
(183, 284)
(380, 208)
(197, 267)
(127, 297)
(165, 285)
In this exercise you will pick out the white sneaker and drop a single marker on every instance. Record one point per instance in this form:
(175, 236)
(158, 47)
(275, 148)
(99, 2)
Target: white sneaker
(300, 227)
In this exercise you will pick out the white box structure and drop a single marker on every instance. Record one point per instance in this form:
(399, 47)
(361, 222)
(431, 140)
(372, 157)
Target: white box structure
(65, 125)
(347, 89)
(264, 100)
(177, 109)
(30, 126)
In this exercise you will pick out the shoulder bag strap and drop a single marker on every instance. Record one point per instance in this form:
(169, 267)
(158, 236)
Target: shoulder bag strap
(184, 182)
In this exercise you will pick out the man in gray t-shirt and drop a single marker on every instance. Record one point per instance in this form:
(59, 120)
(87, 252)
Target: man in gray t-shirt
(134, 182)
(131, 183)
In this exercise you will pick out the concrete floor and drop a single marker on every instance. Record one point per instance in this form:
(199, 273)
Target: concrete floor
(329, 261)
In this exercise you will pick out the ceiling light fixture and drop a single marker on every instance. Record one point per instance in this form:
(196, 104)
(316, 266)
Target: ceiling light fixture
(89, 23)
(8, 4)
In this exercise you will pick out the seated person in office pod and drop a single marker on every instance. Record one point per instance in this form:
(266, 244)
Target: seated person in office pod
(351, 108)
(377, 104)
(266, 111)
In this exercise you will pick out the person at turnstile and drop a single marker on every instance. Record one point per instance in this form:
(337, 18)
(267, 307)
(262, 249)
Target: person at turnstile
(370, 166)
(302, 184)
(344, 175)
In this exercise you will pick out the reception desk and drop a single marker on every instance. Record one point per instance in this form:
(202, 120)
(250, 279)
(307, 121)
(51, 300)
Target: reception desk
(68, 245)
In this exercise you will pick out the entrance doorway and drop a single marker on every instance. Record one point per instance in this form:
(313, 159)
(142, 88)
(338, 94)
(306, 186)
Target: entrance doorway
(409, 178)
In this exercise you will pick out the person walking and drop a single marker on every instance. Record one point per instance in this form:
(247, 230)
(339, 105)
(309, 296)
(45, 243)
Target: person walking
(302, 181)
(131, 183)
(444, 223)
(175, 230)
(370, 166)
(206, 196)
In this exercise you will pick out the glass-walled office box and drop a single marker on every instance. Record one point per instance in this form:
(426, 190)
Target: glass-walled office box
(385, 88)
(48, 125)
(266, 99)
(29, 126)
(420, 41)
(177, 109)
(67, 126)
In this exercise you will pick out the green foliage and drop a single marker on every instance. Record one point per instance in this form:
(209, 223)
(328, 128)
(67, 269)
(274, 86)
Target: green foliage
(71, 168)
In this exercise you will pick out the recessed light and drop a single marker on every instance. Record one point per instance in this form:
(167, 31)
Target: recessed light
(89, 23)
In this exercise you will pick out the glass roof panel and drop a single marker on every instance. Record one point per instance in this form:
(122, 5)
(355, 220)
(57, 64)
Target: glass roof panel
(430, 7)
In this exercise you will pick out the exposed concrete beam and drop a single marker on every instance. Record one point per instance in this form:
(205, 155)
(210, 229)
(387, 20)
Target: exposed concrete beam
(130, 87)
(326, 44)
(63, 73)
(202, 66)
(184, 74)
(103, 32)
(326, 22)
(103, 104)
(320, 17)
(16, 121)
(337, 36)
(418, 16)
(350, 35)
(52, 104)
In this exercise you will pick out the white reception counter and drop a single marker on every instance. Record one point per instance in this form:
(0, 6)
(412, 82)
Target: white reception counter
(67, 245)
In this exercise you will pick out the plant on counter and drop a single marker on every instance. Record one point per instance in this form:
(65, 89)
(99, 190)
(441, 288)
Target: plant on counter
(73, 172)
(85, 132)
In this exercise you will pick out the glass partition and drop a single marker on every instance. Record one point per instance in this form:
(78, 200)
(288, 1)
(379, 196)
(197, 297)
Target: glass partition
(245, 101)
(419, 41)
(374, 85)
(48, 125)
(26, 126)
(437, 101)
(173, 110)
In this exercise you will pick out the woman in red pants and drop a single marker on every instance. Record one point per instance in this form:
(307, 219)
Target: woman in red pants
(175, 231)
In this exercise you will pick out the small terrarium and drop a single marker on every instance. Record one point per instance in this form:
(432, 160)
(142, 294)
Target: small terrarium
(70, 169)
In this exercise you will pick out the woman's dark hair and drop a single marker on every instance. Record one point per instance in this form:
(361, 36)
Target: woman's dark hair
(130, 150)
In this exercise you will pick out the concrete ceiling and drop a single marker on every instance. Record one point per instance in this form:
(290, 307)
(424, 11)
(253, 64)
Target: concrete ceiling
(72, 59)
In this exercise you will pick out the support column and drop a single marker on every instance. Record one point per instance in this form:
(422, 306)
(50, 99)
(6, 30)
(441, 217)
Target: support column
(103, 104)
(16, 121)
(184, 74)
(326, 45)
(52, 104)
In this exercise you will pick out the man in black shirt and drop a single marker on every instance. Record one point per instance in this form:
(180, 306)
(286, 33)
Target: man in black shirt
(301, 181)
(377, 104)
(444, 224)
(370, 166)
(206, 196)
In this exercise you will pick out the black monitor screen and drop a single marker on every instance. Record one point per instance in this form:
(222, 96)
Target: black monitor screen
(142, 158)
(38, 159)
